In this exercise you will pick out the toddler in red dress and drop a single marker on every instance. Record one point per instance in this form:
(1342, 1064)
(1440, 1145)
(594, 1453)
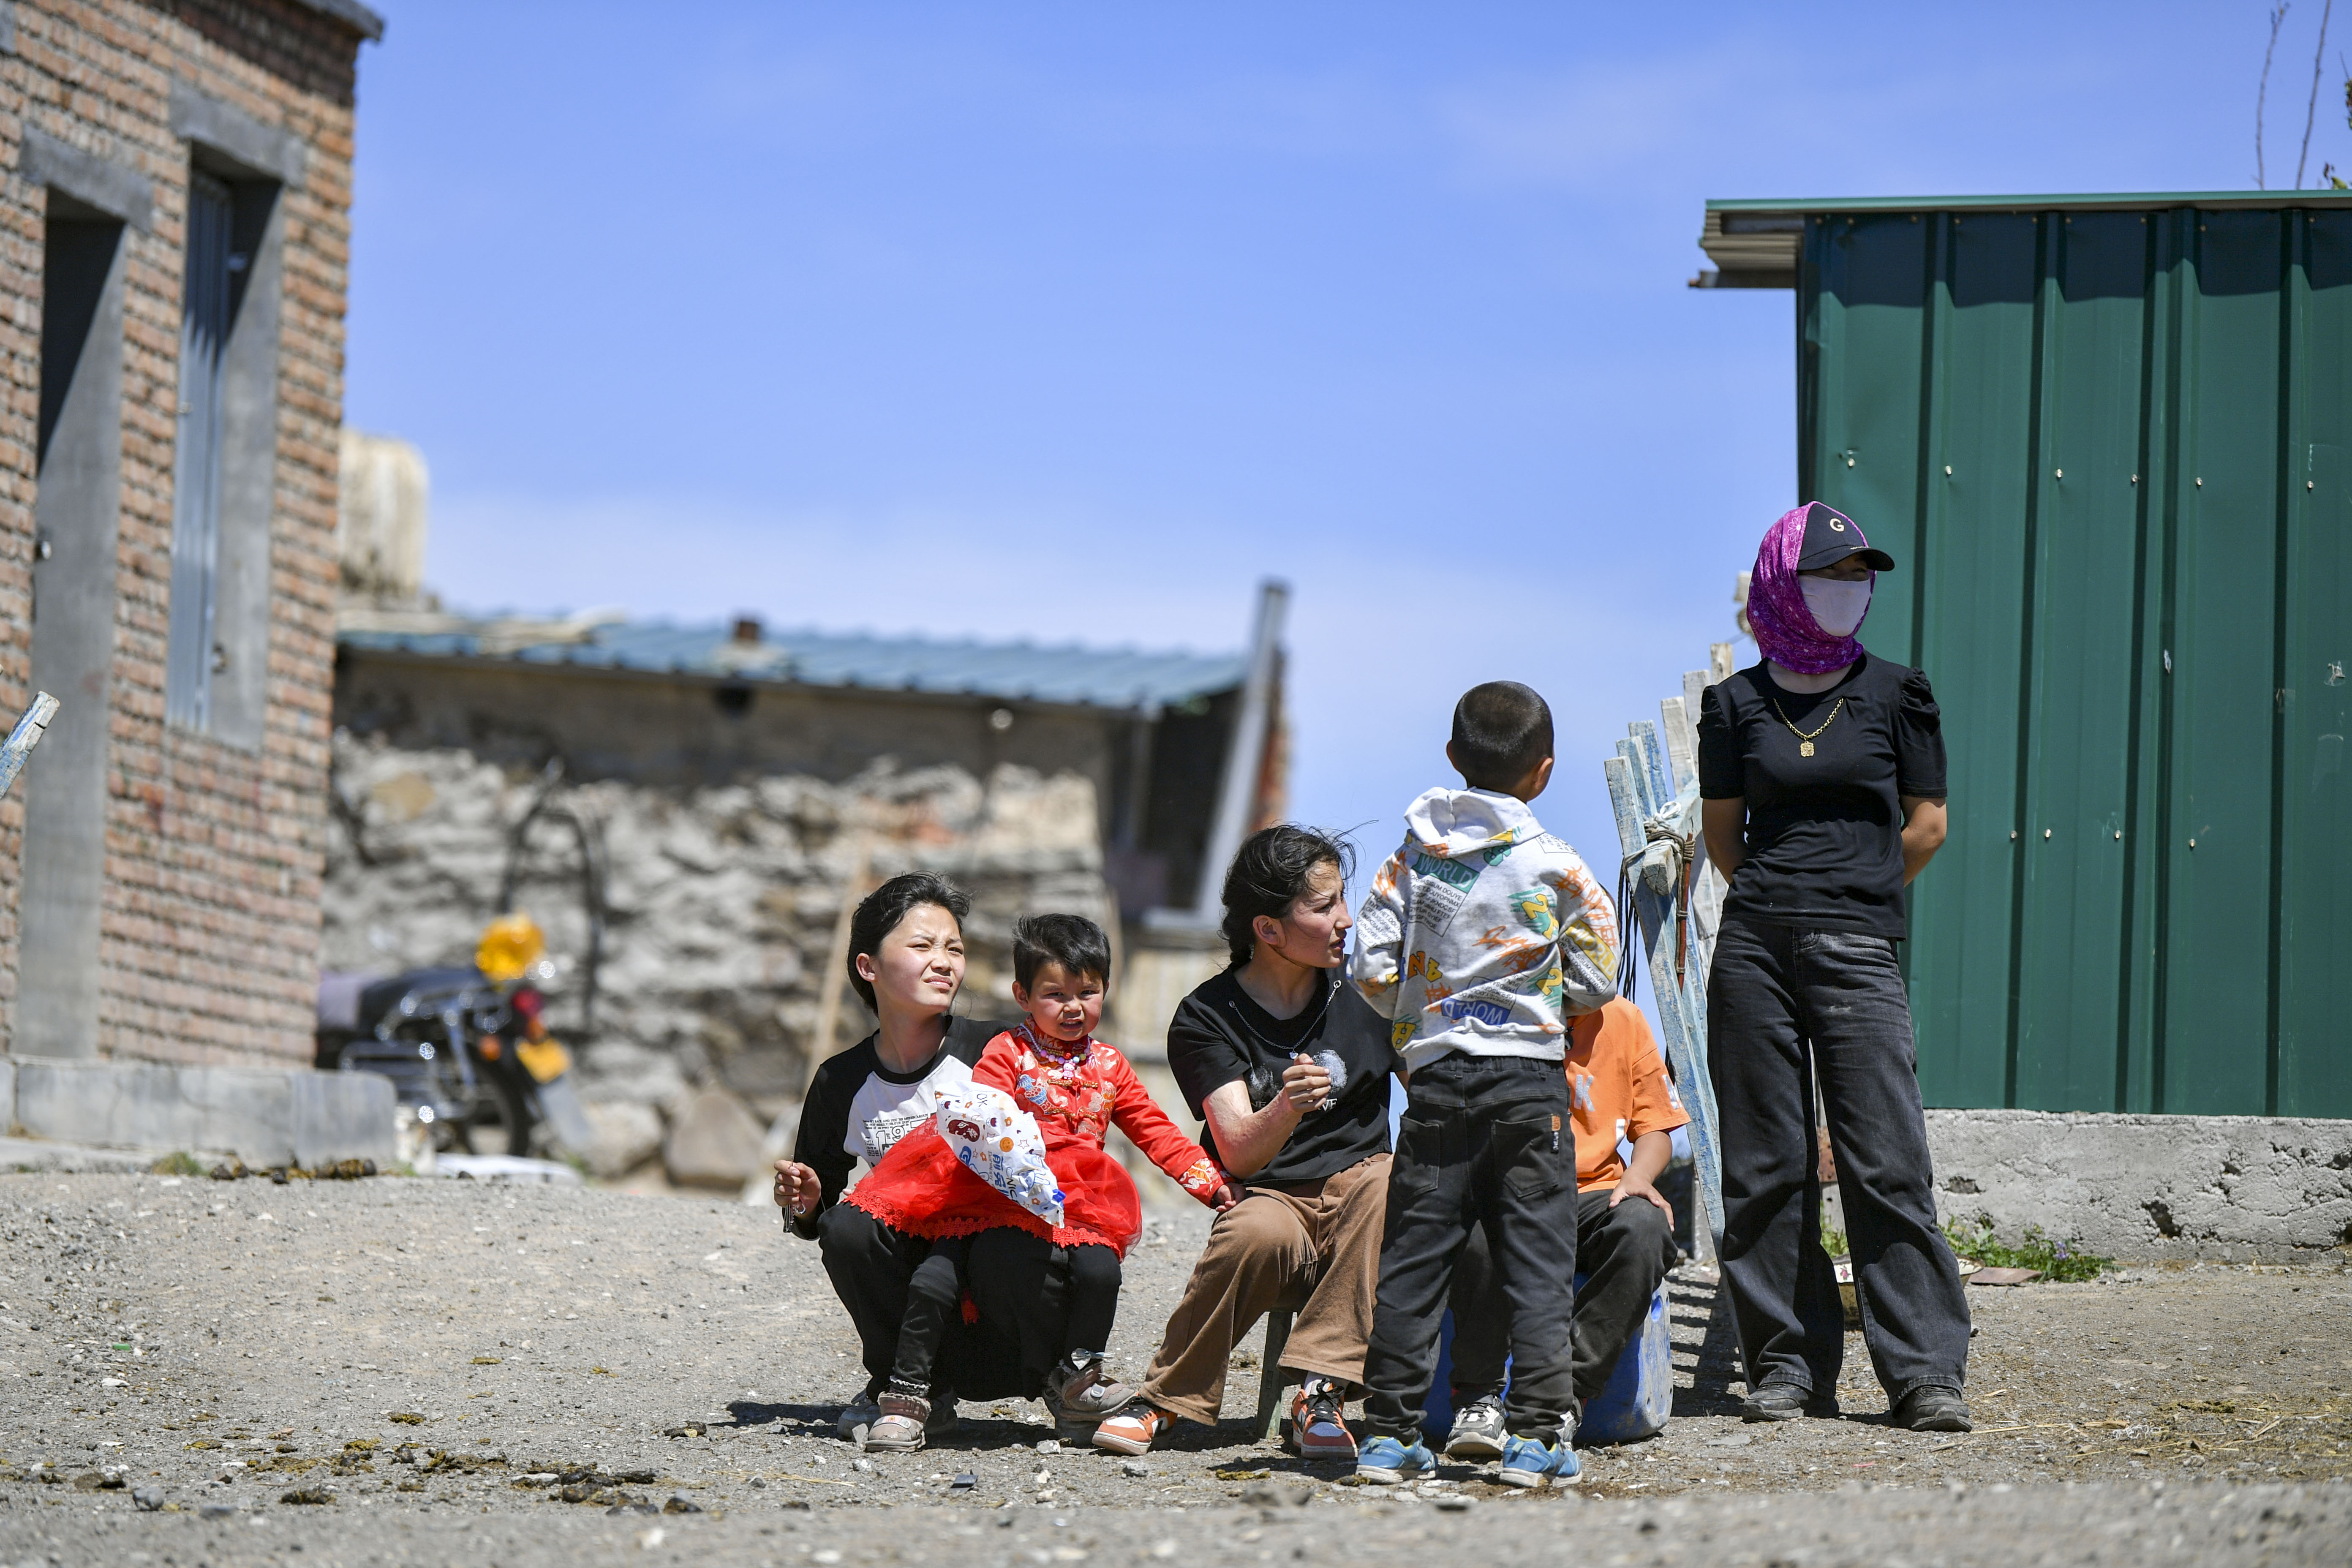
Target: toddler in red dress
(1077, 1088)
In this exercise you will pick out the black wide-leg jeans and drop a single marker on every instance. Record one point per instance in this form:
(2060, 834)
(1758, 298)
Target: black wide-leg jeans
(1486, 1142)
(1775, 995)
(1019, 1286)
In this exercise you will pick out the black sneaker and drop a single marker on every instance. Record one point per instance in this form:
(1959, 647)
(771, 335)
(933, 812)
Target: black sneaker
(1779, 1400)
(1478, 1430)
(1931, 1408)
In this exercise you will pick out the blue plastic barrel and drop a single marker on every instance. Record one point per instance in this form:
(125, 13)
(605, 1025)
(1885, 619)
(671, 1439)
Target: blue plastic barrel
(1635, 1405)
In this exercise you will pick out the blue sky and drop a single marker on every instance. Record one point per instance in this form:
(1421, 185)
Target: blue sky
(1073, 322)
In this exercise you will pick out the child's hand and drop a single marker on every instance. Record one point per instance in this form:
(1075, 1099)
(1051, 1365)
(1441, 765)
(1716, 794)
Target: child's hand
(1306, 1085)
(1634, 1186)
(1224, 1197)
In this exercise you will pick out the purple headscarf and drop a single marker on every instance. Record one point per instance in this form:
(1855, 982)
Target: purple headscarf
(1784, 625)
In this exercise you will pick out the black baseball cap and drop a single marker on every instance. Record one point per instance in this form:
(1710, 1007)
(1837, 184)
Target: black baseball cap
(1830, 537)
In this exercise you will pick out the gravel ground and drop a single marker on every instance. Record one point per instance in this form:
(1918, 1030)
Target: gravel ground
(212, 1373)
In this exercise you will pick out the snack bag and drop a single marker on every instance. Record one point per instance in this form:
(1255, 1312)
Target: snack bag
(999, 1143)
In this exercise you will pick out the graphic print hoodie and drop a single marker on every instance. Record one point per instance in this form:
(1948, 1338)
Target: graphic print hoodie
(1483, 933)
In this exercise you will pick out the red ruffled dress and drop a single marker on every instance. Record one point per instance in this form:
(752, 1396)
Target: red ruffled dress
(1077, 1093)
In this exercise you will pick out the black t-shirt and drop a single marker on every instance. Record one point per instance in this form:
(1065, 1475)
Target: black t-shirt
(1219, 1036)
(1824, 831)
(857, 1107)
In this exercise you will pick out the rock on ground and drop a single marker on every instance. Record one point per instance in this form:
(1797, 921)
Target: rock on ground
(713, 1141)
(626, 1135)
(482, 1374)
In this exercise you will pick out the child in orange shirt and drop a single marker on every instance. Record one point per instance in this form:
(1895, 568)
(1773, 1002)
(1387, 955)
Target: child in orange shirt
(1077, 1088)
(1625, 1110)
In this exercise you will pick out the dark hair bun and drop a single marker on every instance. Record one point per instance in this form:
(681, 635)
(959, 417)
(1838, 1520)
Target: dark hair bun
(1267, 876)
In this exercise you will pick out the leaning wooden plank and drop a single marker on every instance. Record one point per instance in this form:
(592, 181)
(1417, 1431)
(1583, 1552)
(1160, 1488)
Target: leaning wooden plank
(1654, 757)
(1679, 733)
(1622, 803)
(1684, 1049)
(1638, 776)
(1695, 1083)
(24, 737)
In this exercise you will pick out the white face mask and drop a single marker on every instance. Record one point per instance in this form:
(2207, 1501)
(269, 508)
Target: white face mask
(1838, 608)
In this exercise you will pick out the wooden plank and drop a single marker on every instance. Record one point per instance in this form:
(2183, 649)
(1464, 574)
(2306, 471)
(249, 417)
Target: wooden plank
(24, 737)
(1680, 742)
(1678, 996)
(1624, 801)
(1654, 759)
(1637, 777)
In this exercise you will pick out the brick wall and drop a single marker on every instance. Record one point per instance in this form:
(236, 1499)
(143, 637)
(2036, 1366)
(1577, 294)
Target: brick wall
(214, 853)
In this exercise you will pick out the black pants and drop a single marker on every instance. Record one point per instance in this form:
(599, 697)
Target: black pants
(1095, 1279)
(1021, 1296)
(1032, 1289)
(1486, 1143)
(934, 1305)
(1624, 1253)
(1776, 996)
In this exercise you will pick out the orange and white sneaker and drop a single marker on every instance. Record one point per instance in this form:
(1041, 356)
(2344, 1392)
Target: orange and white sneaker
(1318, 1422)
(1131, 1427)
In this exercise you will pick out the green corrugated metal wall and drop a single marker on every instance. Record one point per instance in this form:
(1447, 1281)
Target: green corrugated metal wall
(2109, 449)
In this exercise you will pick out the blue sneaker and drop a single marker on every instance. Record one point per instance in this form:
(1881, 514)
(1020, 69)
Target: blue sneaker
(1384, 1461)
(1528, 1463)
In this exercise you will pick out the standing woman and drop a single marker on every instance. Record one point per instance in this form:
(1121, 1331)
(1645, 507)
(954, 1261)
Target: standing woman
(1821, 770)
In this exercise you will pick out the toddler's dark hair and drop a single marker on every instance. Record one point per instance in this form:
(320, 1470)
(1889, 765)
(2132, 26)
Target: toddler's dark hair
(1501, 730)
(1074, 943)
(1269, 875)
(879, 912)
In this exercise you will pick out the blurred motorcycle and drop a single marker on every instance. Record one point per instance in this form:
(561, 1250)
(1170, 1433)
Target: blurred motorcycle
(466, 1046)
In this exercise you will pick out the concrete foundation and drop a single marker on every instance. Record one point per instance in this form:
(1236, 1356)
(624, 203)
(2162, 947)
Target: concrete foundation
(2245, 1188)
(264, 1116)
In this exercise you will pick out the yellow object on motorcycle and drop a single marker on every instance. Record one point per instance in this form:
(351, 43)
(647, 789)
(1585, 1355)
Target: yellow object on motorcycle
(510, 945)
(546, 1060)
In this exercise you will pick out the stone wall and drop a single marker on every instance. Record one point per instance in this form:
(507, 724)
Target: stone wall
(722, 901)
(2140, 1187)
(207, 934)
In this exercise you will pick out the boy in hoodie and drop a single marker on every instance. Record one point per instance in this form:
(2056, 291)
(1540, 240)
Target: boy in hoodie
(1483, 938)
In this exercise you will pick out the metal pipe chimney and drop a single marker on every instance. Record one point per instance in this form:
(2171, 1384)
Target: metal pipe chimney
(1245, 759)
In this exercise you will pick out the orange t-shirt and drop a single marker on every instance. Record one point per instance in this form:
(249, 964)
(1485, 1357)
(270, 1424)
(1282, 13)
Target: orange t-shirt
(1618, 1089)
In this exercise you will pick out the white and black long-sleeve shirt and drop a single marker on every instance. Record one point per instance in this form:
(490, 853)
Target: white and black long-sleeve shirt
(856, 1108)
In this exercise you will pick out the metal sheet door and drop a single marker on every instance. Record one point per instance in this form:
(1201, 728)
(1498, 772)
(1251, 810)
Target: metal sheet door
(2072, 883)
(2215, 866)
(1970, 636)
(2314, 1074)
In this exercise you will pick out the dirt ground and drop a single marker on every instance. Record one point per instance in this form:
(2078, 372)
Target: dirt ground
(403, 1371)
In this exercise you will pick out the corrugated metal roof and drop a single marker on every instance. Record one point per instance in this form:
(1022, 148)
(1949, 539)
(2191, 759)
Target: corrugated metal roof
(1753, 241)
(1022, 671)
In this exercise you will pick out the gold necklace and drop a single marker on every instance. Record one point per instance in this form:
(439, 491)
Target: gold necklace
(1805, 742)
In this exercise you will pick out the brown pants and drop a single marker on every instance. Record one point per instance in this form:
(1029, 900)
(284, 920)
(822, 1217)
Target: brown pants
(1313, 1247)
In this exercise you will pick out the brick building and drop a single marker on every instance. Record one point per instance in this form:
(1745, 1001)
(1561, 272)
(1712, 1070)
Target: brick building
(173, 247)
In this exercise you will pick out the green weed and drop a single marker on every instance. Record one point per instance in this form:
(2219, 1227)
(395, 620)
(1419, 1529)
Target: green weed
(2064, 1261)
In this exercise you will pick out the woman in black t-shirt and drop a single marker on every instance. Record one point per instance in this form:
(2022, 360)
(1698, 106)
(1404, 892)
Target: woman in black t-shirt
(1821, 773)
(1288, 1068)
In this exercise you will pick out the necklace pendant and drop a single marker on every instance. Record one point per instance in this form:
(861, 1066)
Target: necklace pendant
(1805, 748)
